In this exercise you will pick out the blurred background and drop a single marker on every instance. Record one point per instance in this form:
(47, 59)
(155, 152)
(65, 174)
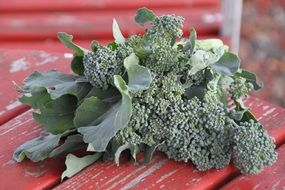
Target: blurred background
(33, 24)
(262, 46)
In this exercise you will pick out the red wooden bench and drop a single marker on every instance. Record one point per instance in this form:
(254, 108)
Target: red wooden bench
(33, 25)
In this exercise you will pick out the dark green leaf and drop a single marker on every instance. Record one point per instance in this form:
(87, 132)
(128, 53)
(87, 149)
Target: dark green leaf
(72, 143)
(89, 111)
(110, 95)
(144, 15)
(115, 119)
(36, 149)
(149, 151)
(250, 77)
(75, 164)
(57, 84)
(77, 65)
(94, 45)
(139, 76)
(66, 39)
(39, 97)
(189, 46)
(198, 91)
(57, 115)
(228, 64)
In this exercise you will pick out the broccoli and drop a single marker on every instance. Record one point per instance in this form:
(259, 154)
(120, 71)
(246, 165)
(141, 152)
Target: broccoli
(182, 109)
(165, 28)
(253, 147)
(100, 67)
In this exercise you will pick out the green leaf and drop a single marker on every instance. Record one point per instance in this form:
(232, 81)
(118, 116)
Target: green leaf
(149, 151)
(133, 149)
(38, 98)
(198, 91)
(204, 58)
(144, 15)
(36, 149)
(66, 39)
(77, 65)
(115, 119)
(250, 77)
(209, 44)
(57, 115)
(117, 34)
(228, 64)
(57, 84)
(139, 76)
(75, 164)
(190, 45)
(89, 111)
(72, 143)
(109, 95)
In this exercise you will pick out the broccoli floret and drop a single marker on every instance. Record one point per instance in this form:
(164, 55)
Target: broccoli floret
(100, 67)
(128, 135)
(194, 135)
(165, 28)
(253, 148)
(240, 88)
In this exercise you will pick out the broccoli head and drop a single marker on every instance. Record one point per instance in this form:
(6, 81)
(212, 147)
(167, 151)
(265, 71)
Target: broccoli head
(253, 147)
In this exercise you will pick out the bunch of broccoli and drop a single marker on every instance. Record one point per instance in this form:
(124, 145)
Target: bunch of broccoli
(179, 93)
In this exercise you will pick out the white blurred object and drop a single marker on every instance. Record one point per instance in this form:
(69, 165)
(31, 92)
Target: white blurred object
(232, 11)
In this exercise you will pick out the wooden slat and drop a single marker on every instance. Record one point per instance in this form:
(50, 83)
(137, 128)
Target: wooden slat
(96, 25)
(273, 177)
(96, 5)
(163, 173)
(17, 65)
(56, 46)
(27, 175)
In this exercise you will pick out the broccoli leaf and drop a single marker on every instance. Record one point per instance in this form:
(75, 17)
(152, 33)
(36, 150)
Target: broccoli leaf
(57, 84)
(89, 111)
(228, 64)
(115, 119)
(72, 143)
(39, 97)
(189, 46)
(57, 115)
(139, 76)
(36, 149)
(133, 149)
(109, 95)
(77, 65)
(202, 59)
(250, 77)
(75, 164)
(144, 15)
(66, 39)
(117, 34)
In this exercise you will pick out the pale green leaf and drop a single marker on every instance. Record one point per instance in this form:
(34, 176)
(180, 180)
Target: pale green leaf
(117, 34)
(133, 150)
(204, 58)
(75, 164)
(139, 76)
